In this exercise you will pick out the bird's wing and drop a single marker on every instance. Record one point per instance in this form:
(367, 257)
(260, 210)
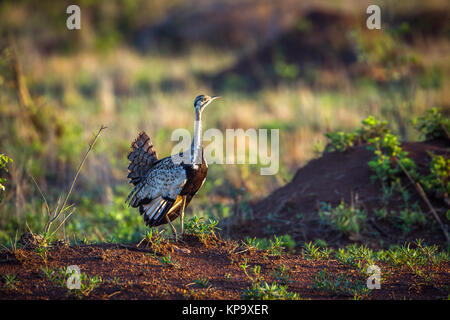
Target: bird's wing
(159, 191)
(142, 157)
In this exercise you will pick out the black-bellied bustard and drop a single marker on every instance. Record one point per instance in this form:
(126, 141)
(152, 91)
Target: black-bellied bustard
(163, 188)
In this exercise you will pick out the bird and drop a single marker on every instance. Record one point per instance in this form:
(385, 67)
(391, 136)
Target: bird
(163, 188)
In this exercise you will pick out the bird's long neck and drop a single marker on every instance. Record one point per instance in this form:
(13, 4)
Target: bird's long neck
(196, 145)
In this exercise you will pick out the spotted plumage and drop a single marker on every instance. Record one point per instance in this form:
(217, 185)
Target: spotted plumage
(163, 188)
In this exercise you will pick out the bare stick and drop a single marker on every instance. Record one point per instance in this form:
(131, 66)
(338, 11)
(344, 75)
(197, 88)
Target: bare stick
(427, 201)
(447, 134)
(51, 219)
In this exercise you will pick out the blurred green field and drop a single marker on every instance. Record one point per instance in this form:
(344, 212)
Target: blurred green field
(79, 80)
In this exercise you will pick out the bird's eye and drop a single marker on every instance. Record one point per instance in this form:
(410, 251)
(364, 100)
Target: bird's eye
(204, 99)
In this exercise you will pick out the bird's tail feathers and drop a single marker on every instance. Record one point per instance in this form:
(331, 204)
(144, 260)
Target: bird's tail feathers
(142, 156)
(156, 211)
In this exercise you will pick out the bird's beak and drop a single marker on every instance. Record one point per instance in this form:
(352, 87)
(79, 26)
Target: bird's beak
(215, 97)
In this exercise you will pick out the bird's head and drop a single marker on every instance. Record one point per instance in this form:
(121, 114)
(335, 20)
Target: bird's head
(202, 101)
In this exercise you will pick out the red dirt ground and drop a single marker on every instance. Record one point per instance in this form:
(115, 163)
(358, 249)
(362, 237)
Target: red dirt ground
(140, 275)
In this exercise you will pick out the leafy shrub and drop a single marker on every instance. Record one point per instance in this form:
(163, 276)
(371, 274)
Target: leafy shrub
(370, 128)
(340, 141)
(389, 160)
(438, 181)
(433, 125)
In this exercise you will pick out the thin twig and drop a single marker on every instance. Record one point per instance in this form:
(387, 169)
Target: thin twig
(64, 221)
(63, 208)
(427, 201)
(447, 134)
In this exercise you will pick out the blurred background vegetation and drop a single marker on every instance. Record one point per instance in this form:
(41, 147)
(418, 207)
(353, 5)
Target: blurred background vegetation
(307, 68)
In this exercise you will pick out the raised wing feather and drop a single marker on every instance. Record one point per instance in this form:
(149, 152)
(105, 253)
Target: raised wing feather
(142, 157)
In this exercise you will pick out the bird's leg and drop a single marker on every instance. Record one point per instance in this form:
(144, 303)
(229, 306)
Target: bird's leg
(172, 227)
(183, 204)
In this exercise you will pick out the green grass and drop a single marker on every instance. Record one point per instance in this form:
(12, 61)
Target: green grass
(341, 284)
(262, 290)
(10, 281)
(315, 252)
(275, 246)
(202, 282)
(269, 291)
(61, 276)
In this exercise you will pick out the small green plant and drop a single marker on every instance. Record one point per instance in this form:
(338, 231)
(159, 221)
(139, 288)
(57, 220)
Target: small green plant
(347, 219)
(167, 261)
(265, 291)
(359, 257)
(153, 239)
(261, 290)
(256, 271)
(202, 282)
(12, 247)
(251, 243)
(272, 246)
(88, 284)
(42, 251)
(313, 252)
(433, 125)
(59, 277)
(205, 231)
(282, 275)
(276, 246)
(10, 281)
(54, 275)
(340, 285)
(405, 255)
